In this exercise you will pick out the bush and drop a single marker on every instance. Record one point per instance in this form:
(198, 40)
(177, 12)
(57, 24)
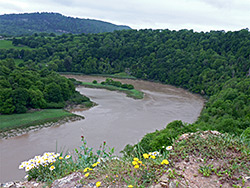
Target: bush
(55, 105)
(154, 141)
(94, 82)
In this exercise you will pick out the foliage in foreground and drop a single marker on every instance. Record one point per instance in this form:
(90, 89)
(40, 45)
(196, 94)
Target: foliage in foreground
(52, 166)
(221, 155)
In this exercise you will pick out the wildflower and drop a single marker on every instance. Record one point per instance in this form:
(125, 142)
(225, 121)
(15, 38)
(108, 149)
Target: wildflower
(27, 168)
(86, 175)
(165, 161)
(26, 177)
(169, 148)
(163, 147)
(134, 163)
(21, 166)
(52, 168)
(136, 159)
(136, 166)
(86, 169)
(140, 162)
(95, 164)
(117, 176)
(152, 156)
(98, 184)
(130, 186)
(146, 156)
(60, 158)
(67, 156)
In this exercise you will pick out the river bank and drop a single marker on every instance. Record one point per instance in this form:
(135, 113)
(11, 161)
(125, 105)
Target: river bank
(117, 119)
(19, 124)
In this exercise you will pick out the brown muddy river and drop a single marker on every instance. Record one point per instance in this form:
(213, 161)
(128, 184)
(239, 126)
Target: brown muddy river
(117, 119)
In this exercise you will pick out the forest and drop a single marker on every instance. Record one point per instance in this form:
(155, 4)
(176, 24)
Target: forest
(215, 64)
(22, 88)
(55, 23)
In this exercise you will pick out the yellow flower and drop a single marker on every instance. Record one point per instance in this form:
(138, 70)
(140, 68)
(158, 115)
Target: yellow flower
(130, 186)
(152, 156)
(86, 175)
(98, 184)
(136, 159)
(86, 169)
(52, 168)
(136, 166)
(134, 163)
(139, 162)
(165, 161)
(117, 176)
(95, 164)
(146, 156)
(60, 157)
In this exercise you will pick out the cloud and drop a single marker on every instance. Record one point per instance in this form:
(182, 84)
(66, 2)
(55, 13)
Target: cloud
(173, 14)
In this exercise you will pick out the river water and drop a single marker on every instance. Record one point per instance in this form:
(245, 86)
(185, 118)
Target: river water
(116, 119)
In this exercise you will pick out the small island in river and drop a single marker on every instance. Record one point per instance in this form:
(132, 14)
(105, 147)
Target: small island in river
(112, 85)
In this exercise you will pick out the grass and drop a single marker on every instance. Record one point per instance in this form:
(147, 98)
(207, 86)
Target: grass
(130, 92)
(8, 122)
(221, 156)
(121, 75)
(7, 44)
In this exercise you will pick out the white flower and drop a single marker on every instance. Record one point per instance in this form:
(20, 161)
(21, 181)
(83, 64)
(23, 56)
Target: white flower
(28, 168)
(169, 148)
(21, 166)
(52, 168)
(68, 156)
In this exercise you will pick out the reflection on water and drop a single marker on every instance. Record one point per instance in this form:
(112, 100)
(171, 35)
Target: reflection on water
(116, 119)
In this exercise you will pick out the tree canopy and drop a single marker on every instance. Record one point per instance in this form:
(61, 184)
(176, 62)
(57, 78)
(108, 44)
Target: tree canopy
(22, 88)
(215, 64)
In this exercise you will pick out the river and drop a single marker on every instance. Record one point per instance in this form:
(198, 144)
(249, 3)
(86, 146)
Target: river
(116, 119)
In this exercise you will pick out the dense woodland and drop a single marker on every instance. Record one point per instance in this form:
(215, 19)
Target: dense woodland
(23, 88)
(30, 23)
(214, 64)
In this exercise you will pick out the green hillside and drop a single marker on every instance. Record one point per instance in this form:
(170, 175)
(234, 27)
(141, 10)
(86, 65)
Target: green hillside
(29, 23)
(214, 64)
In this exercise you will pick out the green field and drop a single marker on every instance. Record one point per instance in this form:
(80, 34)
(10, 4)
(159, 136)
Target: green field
(33, 118)
(7, 44)
(130, 92)
(121, 75)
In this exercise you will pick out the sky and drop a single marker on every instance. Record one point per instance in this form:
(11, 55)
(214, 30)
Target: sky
(199, 15)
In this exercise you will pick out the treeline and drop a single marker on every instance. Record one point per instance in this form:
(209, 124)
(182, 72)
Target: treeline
(30, 23)
(23, 88)
(215, 64)
(197, 61)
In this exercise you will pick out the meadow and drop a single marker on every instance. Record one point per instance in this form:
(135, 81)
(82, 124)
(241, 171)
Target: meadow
(32, 118)
(7, 44)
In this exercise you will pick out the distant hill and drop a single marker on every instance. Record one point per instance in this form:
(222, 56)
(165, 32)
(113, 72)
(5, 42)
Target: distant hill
(29, 23)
